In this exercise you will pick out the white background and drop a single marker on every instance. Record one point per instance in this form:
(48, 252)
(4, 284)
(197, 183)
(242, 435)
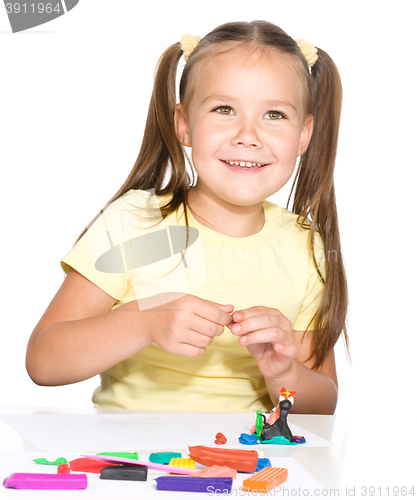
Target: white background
(74, 95)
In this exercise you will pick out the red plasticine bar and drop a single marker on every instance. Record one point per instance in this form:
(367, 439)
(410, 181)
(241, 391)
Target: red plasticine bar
(240, 460)
(265, 480)
(25, 481)
(88, 465)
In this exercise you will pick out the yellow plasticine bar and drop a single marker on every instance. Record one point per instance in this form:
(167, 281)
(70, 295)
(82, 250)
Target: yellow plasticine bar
(265, 480)
(216, 471)
(185, 463)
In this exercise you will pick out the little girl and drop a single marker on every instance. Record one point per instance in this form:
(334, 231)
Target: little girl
(225, 298)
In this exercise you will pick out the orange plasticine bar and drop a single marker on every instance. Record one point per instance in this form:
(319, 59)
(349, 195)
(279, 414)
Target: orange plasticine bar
(240, 460)
(265, 480)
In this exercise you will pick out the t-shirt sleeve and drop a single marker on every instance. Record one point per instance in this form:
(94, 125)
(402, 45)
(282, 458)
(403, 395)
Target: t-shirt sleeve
(315, 288)
(80, 258)
(100, 254)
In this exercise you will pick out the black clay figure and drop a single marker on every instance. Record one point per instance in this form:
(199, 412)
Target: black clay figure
(280, 426)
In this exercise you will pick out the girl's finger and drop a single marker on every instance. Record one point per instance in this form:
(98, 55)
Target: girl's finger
(224, 307)
(254, 311)
(207, 312)
(288, 351)
(259, 323)
(265, 336)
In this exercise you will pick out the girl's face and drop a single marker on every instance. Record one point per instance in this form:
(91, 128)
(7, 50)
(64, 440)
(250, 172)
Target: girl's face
(245, 124)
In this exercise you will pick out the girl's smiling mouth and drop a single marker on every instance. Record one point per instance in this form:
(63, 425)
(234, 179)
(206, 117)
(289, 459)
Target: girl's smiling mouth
(244, 165)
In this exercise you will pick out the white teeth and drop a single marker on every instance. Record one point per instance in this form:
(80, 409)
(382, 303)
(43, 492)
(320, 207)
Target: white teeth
(246, 164)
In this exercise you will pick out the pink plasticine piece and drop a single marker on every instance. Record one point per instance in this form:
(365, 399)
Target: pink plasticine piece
(216, 471)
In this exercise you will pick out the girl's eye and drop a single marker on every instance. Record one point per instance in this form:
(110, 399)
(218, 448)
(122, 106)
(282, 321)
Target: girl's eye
(271, 115)
(224, 110)
(275, 115)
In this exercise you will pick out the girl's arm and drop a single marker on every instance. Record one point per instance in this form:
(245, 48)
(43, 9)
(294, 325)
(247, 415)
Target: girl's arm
(281, 355)
(316, 389)
(79, 337)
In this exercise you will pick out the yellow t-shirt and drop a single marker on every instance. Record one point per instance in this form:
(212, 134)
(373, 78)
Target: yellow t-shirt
(131, 261)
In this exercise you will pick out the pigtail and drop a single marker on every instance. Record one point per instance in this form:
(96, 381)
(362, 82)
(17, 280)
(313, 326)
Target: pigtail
(314, 197)
(160, 146)
(160, 150)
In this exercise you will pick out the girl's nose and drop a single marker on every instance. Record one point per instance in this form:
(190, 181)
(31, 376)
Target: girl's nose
(247, 136)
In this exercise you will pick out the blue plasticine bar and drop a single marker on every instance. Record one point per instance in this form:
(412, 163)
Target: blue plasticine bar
(220, 485)
(263, 462)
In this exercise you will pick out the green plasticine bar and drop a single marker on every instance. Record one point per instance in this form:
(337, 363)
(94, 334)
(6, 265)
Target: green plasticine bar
(43, 461)
(130, 456)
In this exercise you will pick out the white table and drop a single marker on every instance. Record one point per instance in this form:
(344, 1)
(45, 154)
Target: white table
(369, 454)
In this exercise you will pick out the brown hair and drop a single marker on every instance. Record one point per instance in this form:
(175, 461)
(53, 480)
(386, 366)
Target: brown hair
(313, 188)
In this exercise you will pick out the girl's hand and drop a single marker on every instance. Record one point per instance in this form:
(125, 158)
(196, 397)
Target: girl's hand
(186, 326)
(268, 335)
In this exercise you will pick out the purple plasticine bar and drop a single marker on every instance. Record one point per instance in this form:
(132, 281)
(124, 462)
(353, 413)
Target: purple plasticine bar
(198, 484)
(26, 481)
(221, 485)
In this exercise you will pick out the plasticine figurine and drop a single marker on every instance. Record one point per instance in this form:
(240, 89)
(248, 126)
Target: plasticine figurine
(280, 426)
(274, 430)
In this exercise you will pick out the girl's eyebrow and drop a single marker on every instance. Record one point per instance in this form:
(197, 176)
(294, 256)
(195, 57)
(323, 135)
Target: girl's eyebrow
(228, 98)
(218, 97)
